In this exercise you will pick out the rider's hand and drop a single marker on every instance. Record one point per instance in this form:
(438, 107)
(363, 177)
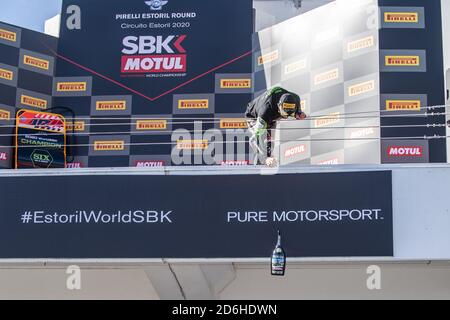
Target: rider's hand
(271, 162)
(300, 116)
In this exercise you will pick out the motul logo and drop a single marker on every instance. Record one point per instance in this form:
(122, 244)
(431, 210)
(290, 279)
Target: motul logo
(334, 161)
(74, 165)
(295, 151)
(149, 164)
(3, 156)
(153, 54)
(405, 151)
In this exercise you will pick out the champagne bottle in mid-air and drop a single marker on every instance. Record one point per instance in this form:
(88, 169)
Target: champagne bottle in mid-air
(278, 259)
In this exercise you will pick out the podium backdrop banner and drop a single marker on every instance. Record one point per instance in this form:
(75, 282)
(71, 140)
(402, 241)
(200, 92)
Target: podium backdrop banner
(40, 140)
(132, 216)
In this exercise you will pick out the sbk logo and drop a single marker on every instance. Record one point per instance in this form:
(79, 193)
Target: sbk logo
(153, 54)
(405, 151)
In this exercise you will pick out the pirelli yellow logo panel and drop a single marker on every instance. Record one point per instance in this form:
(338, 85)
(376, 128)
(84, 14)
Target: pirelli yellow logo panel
(268, 57)
(109, 145)
(361, 88)
(192, 144)
(327, 120)
(71, 86)
(5, 114)
(401, 17)
(193, 104)
(399, 61)
(403, 105)
(148, 125)
(360, 44)
(8, 35)
(76, 126)
(33, 102)
(235, 83)
(36, 62)
(233, 123)
(326, 76)
(6, 74)
(111, 105)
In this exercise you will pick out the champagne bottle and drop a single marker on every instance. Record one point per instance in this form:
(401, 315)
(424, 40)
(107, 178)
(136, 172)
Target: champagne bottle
(278, 259)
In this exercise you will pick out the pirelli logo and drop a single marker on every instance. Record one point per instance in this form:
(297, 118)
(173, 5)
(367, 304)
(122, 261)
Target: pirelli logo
(327, 120)
(401, 17)
(71, 86)
(5, 114)
(6, 74)
(360, 44)
(361, 88)
(403, 105)
(36, 62)
(111, 105)
(148, 125)
(326, 76)
(193, 104)
(268, 57)
(109, 145)
(76, 126)
(8, 35)
(394, 61)
(235, 83)
(295, 66)
(192, 144)
(33, 102)
(233, 123)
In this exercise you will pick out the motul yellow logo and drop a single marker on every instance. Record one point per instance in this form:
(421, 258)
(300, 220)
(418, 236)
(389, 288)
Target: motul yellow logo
(6, 74)
(233, 123)
(109, 145)
(268, 57)
(33, 102)
(193, 104)
(76, 126)
(327, 120)
(360, 44)
(192, 144)
(403, 105)
(402, 61)
(326, 76)
(151, 125)
(36, 62)
(111, 105)
(71, 86)
(235, 83)
(361, 88)
(8, 35)
(401, 17)
(295, 66)
(5, 114)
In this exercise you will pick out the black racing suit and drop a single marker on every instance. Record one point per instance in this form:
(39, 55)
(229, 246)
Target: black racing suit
(262, 115)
